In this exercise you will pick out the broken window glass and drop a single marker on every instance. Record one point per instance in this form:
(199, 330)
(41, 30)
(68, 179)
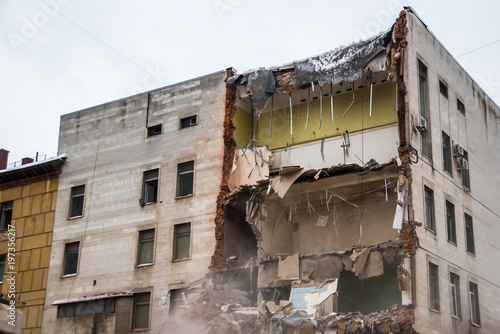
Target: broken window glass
(185, 179)
(182, 241)
(76, 201)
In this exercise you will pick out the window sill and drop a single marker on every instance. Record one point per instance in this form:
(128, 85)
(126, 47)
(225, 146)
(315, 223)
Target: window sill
(181, 260)
(455, 317)
(471, 254)
(448, 173)
(451, 242)
(466, 189)
(185, 196)
(142, 265)
(75, 217)
(435, 311)
(475, 325)
(68, 275)
(431, 231)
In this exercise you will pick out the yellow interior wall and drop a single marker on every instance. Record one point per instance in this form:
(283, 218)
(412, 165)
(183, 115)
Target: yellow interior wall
(357, 118)
(242, 120)
(33, 217)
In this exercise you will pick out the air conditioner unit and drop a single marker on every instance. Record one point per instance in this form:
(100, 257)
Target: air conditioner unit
(422, 127)
(463, 164)
(458, 150)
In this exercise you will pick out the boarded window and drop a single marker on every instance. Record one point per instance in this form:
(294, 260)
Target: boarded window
(424, 110)
(150, 187)
(469, 235)
(76, 201)
(145, 249)
(455, 295)
(182, 241)
(71, 258)
(446, 153)
(433, 287)
(450, 223)
(141, 310)
(185, 179)
(6, 214)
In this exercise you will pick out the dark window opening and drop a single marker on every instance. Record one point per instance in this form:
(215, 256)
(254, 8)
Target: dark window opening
(185, 179)
(465, 172)
(461, 107)
(145, 249)
(154, 130)
(446, 153)
(188, 122)
(469, 235)
(6, 214)
(443, 89)
(76, 201)
(182, 241)
(3, 259)
(141, 310)
(150, 187)
(429, 209)
(176, 301)
(98, 306)
(433, 287)
(71, 258)
(450, 223)
(424, 110)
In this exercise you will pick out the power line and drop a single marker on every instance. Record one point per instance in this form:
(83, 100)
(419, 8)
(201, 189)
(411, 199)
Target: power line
(479, 48)
(106, 45)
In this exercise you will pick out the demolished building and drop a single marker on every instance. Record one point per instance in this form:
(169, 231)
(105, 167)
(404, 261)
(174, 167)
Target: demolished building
(334, 186)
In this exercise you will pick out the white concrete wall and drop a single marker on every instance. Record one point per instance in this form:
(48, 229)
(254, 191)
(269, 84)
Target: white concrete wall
(478, 132)
(108, 151)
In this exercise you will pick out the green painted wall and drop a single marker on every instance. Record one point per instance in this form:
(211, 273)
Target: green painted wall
(356, 119)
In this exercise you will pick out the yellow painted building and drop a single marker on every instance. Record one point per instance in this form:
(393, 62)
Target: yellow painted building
(28, 197)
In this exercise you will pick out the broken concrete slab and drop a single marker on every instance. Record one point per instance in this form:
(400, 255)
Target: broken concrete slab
(374, 266)
(307, 266)
(327, 267)
(288, 269)
(359, 259)
(282, 183)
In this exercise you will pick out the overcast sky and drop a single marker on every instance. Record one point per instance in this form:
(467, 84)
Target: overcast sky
(60, 56)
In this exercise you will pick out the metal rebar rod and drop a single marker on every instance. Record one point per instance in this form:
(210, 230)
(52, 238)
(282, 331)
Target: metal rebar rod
(291, 115)
(320, 105)
(308, 99)
(371, 98)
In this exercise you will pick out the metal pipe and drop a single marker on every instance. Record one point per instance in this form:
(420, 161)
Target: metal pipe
(394, 95)
(271, 125)
(308, 99)
(353, 99)
(371, 98)
(320, 105)
(291, 115)
(331, 99)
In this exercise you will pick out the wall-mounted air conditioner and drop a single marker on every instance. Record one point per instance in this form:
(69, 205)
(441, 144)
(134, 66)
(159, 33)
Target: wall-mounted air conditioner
(463, 164)
(422, 127)
(458, 150)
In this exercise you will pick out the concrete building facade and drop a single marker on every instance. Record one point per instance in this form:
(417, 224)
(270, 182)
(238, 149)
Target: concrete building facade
(134, 218)
(353, 191)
